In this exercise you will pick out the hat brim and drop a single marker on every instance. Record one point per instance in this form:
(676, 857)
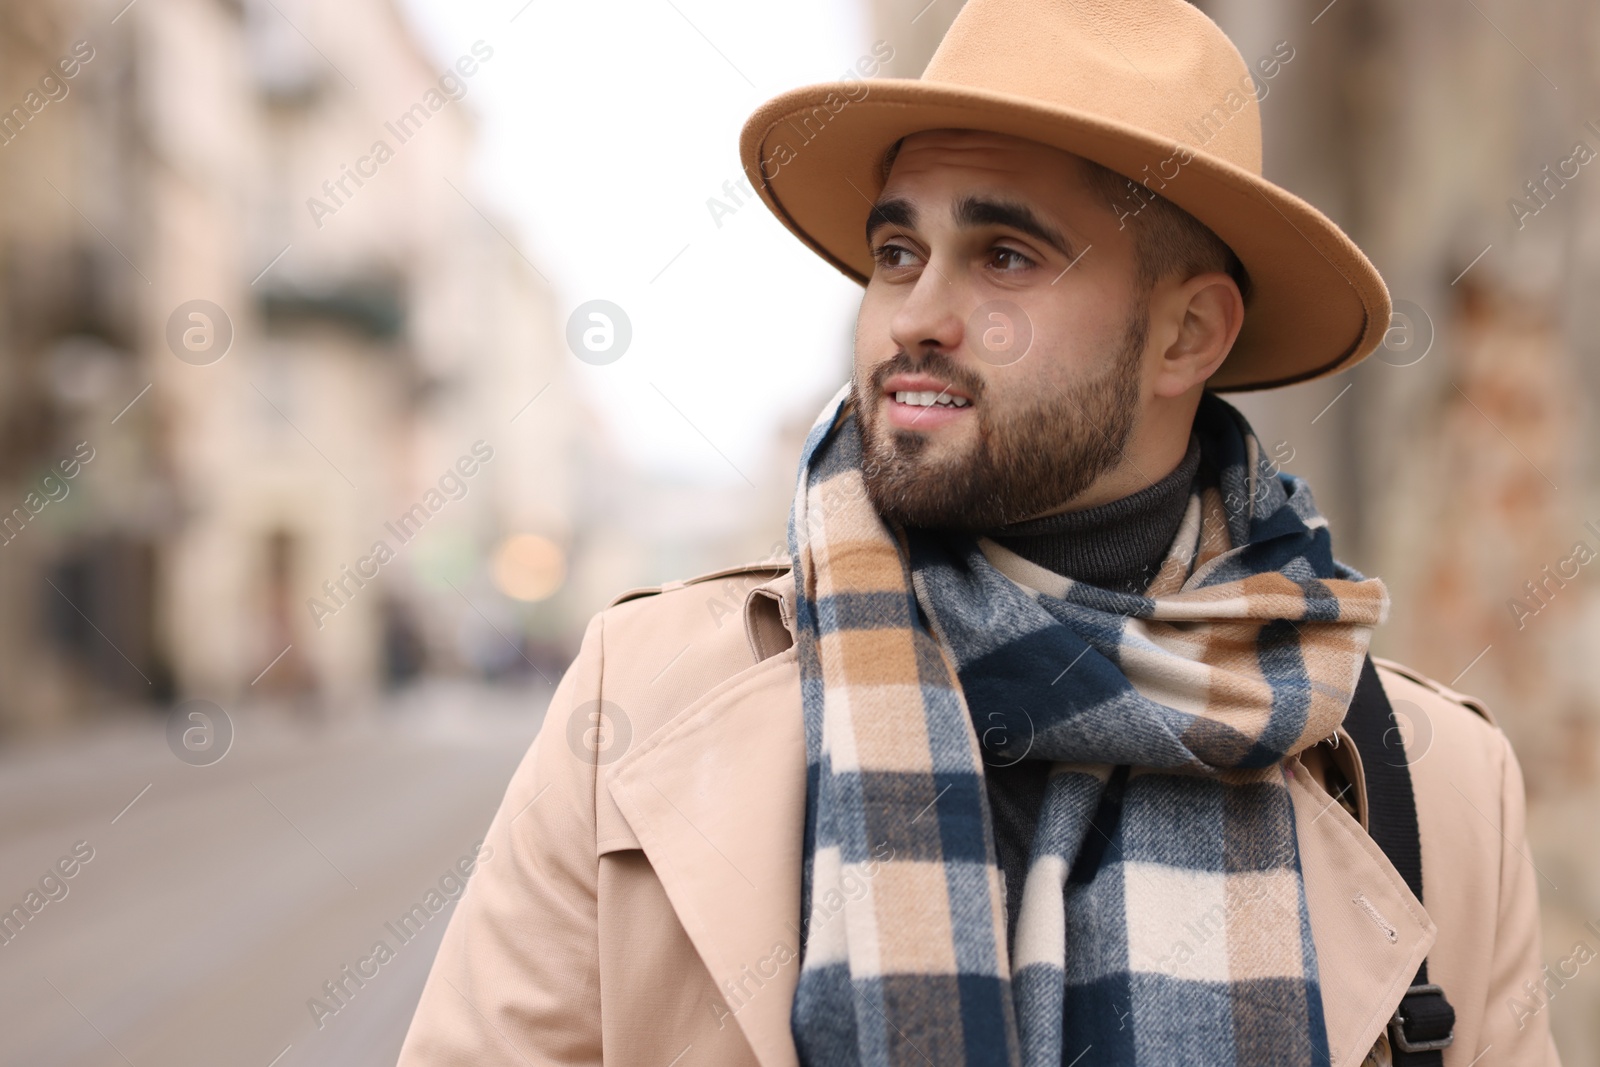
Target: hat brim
(1317, 306)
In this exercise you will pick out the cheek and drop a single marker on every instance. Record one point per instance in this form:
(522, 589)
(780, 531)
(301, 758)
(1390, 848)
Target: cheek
(872, 340)
(873, 314)
(1074, 343)
(1053, 340)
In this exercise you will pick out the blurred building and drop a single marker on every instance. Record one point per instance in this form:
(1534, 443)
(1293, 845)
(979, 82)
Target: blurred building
(255, 305)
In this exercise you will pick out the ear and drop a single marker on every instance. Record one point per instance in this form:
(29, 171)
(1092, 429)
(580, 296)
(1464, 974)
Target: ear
(1210, 312)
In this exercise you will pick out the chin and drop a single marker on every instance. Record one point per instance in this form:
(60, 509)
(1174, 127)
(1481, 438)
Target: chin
(911, 483)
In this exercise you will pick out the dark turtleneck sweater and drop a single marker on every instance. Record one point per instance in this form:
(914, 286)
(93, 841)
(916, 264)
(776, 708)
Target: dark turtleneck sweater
(1118, 545)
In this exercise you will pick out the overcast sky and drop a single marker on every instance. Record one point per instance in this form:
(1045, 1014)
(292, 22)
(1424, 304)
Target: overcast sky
(604, 129)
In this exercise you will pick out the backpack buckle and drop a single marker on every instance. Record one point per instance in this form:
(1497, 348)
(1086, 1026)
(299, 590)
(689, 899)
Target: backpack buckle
(1424, 1021)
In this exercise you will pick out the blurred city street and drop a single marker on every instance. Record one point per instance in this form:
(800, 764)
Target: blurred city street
(353, 356)
(216, 905)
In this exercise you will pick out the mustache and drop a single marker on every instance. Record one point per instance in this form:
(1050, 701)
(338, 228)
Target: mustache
(934, 362)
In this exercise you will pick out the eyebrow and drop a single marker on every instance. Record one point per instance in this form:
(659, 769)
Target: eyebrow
(971, 212)
(978, 211)
(896, 211)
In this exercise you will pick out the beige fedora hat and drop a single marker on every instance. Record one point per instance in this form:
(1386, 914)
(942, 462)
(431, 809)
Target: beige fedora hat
(1130, 84)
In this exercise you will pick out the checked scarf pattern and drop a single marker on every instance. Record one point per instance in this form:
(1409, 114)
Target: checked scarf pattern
(1163, 918)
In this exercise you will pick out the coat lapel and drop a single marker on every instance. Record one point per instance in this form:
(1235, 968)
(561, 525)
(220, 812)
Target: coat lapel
(717, 800)
(1370, 931)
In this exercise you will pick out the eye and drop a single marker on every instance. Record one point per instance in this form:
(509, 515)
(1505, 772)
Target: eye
(890, 256)
(1009, 259)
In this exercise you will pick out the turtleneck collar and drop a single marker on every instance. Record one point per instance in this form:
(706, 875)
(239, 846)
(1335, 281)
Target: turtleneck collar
(1118, 545)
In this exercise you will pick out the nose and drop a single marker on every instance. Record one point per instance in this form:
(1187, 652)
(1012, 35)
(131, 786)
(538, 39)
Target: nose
(930, 317)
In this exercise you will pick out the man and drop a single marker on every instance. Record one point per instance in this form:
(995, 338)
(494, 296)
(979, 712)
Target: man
(1059, 743)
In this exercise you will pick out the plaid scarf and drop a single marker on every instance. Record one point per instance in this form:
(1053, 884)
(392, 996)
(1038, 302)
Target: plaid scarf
(1163, 918)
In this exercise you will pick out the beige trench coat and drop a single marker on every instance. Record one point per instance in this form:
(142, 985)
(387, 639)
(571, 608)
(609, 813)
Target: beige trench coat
(640, 907)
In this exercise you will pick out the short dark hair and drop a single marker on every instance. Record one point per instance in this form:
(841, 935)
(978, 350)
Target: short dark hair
(1167, 241)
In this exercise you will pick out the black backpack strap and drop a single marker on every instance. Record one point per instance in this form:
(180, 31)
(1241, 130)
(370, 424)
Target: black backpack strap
(1424, 1023)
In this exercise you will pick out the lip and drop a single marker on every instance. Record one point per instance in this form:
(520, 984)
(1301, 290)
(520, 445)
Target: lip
(912, 417)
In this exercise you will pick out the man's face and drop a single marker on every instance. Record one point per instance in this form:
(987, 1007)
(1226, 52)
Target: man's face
(1005, 293)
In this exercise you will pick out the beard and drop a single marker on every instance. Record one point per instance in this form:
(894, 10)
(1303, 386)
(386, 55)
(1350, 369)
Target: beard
(1022, 465)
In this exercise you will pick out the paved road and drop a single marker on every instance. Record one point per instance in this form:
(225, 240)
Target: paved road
(216, 906)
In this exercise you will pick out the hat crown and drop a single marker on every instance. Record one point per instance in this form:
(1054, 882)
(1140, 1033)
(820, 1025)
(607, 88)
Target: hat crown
(1157, 65)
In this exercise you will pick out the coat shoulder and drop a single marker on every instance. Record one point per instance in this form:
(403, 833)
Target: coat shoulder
(1456, 752)
(767, 568)
(664, 647)
(1461, 768)
(1409, 683)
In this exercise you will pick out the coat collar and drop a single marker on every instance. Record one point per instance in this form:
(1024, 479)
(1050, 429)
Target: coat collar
(717, 800)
